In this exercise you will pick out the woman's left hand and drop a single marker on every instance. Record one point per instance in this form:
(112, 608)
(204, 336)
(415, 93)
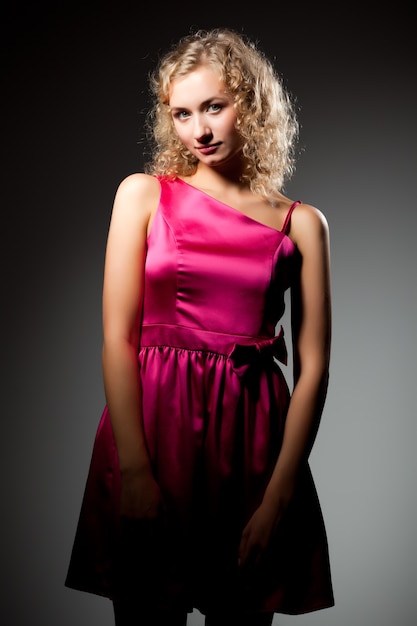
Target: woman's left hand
(258, 532)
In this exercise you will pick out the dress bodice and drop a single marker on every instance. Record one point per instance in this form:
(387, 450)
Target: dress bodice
(211, 267)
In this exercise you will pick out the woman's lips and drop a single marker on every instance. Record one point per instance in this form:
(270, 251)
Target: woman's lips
(208, 149)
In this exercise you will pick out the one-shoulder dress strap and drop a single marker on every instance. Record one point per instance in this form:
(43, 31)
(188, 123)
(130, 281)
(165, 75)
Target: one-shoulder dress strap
(286, 224)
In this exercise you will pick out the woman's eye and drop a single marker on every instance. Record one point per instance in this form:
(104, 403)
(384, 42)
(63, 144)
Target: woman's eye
(181, 115)
(215, 107)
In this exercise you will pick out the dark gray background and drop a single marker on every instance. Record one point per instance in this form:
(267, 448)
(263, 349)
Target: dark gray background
(74, 91)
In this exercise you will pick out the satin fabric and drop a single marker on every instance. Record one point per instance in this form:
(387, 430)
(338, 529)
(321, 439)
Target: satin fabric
(214, 406)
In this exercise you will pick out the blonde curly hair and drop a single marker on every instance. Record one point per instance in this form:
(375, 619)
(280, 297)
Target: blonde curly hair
(266, 117)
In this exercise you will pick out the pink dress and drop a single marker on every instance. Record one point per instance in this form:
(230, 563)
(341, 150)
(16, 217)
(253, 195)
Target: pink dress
(214, 407)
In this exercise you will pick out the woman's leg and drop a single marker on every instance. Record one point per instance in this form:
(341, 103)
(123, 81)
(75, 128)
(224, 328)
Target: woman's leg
(244, 619)
(129, 614)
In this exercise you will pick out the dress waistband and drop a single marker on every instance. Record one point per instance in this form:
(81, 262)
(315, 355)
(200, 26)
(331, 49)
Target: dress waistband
(243, 351)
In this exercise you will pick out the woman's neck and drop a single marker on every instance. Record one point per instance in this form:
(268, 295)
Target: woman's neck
(220, 181)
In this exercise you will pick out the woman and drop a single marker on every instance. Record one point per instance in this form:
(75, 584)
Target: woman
(199, 493)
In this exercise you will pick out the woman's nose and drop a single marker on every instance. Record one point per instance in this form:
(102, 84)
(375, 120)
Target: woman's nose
(202, 131)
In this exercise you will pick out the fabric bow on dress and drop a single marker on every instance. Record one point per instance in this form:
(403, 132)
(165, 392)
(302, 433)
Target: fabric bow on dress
(248, 360)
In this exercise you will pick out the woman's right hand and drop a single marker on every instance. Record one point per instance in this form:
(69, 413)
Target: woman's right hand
(143, 545)
(141, 497)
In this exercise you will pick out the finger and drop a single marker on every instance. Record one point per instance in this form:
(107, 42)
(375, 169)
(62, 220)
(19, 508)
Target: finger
(242, 550)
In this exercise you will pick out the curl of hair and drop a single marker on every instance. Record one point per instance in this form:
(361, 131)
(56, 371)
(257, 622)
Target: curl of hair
(266, 117)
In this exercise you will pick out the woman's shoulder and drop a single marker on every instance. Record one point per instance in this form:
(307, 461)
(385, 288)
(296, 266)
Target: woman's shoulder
(308, 223)
(139, 183)
(136, 199)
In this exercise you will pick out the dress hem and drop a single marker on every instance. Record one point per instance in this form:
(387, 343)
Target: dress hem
(317, 606)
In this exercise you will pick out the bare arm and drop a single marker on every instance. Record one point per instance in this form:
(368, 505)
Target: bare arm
(311, 320)
(135, 201)
(311, 323)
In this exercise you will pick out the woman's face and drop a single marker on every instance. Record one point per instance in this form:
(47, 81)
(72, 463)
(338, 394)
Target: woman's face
(204, 116)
